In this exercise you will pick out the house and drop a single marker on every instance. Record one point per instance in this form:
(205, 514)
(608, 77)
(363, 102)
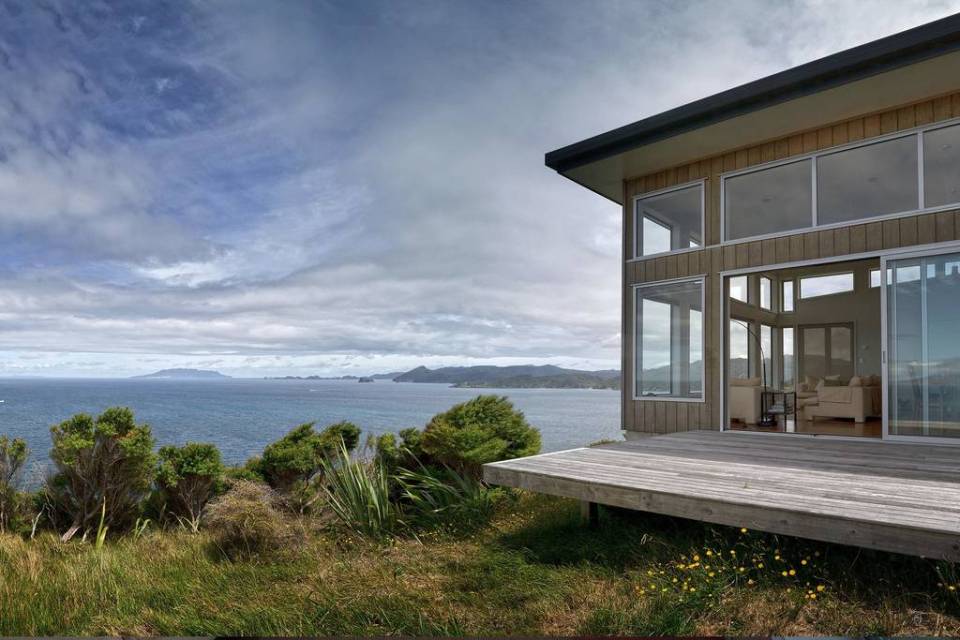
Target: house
(791, 304)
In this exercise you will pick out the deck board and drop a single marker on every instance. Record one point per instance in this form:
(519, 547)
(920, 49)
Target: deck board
(892, 496)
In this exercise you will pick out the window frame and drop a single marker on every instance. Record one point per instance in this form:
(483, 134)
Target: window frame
(918, 132)
(638, 229)
(635, 360)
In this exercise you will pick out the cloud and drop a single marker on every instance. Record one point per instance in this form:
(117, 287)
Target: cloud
(271, 187)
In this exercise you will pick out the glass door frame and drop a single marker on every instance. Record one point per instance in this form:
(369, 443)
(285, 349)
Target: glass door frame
(903, 254)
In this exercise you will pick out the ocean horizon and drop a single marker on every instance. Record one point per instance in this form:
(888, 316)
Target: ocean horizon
(242, 415)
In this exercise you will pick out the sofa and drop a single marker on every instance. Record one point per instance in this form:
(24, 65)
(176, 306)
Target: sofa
(832, 397)
(743, 399)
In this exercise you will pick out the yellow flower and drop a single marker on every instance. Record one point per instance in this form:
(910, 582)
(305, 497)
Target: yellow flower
(750, 581)
(711, 574)
(696, 558)
(709, 553)
(793, 572)
(743, 530)
(820, 587)
(732, 552)
(803, 562)
(952, 588)
(813, 596)
(692, 589)
(777, 557)
(653, 586)
(783, 573)
(760, 565)
(741, 569)
(674, 579)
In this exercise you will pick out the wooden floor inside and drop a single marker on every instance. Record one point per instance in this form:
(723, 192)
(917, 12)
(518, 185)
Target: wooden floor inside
(896, 497)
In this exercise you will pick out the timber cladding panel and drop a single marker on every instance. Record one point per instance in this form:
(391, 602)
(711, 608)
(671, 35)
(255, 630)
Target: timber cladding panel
(664, 416)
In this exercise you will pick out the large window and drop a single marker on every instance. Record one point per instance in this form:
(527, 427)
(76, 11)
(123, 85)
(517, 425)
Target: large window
(897, 175)
(669, 340)
(815, 286)
(864, 182)
(941, 166)
(767, 201)
(669, 221)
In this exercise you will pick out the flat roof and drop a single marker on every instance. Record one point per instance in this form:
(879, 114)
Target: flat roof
(848, 81)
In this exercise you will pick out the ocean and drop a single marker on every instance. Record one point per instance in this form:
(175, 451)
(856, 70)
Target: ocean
(242, 416)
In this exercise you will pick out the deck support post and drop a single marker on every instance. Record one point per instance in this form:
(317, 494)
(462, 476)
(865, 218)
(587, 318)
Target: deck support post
(589, 513)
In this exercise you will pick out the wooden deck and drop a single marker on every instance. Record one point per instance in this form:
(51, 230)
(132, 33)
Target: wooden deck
(896, 497)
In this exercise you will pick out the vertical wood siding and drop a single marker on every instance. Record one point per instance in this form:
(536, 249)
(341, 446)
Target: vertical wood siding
(649, 416)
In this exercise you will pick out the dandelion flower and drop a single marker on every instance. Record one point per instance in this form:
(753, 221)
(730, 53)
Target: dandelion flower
(733, 552)
(783, 573)
(803, 562)
(820, 587)
(760, 565)
(776, 557)
(952, 588)
(741, 569)
(813, 596)
(711, 574)
(696, 558)
(692, 589)
(743, 530)
(793, 572)
(709, 553)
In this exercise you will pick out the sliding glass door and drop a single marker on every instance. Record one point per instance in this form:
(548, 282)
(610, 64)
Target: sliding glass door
(922, 345)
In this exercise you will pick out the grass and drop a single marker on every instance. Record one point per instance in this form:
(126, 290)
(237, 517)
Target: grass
(534, 570)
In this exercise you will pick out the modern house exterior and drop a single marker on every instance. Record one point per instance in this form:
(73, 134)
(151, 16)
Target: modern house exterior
(791, 298)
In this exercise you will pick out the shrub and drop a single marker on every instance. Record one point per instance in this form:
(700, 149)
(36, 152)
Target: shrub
(443, 498)
(291, 463)
(470, 434)
(358, 493)
(189, 476)
(245, 521)
(13, 455)
(104, 470)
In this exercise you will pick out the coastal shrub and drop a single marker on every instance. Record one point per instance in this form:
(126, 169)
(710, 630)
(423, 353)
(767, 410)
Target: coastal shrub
(104, 470)
(13, 455)
(188, 478)
(291, 464)
(358, 493)
(484, 429)
(245, 521)
(444, 499)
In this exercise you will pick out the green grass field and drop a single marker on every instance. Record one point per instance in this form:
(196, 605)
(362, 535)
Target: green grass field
(533, 570)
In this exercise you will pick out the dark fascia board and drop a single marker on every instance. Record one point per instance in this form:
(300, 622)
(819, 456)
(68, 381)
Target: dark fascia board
(901, 49)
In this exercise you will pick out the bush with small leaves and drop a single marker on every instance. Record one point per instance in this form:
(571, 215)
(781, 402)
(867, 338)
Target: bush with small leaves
(245, 521)
(188, 478)
(104, 470)
(484, 429)
(290, 465)
(13, 455)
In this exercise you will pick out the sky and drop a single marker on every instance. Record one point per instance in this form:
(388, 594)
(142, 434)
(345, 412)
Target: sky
(297, 188)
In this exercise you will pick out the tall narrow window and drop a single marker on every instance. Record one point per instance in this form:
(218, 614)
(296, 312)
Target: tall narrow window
(863, 182)
(738, 288)
(766, 290)
(786, 296)
(739, 360)
(787, 355)
(766, 346)
(669, 221)
(941, 159)
(669, 340)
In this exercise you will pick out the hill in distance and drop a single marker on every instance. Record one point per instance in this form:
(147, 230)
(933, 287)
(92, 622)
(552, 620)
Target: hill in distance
(515, 377)
(183, 374)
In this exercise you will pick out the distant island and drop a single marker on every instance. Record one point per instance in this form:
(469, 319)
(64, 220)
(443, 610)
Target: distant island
(515, 377)
(526, 376)
(184, 374)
